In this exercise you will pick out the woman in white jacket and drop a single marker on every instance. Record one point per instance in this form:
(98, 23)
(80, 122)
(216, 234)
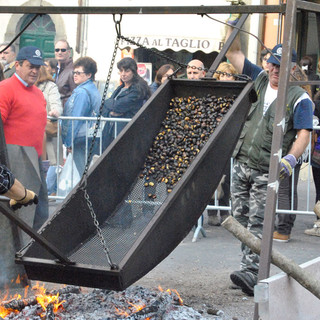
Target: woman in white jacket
(54, 109)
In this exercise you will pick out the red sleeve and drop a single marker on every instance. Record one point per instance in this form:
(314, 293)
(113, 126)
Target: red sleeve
(5, 105)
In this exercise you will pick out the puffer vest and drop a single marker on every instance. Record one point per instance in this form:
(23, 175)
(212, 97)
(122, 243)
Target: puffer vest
(254, 145)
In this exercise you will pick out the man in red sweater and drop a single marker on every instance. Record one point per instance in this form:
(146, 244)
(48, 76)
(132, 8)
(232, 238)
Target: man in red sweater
(24, 116)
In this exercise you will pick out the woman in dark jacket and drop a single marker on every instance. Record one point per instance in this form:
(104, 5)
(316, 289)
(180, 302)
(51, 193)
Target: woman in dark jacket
(162, 74)
(126, 100)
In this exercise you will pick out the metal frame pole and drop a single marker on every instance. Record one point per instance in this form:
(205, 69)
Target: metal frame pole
(276, 148)
(226, 46)
(143, 9)
(33, 234)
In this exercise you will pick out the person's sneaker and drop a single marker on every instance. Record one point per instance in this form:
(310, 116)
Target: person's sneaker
(316, 209)
(214, 220)
(315, 231)
(281, 237)
(245, 280)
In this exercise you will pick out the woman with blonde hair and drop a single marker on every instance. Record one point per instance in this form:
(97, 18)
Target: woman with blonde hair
(51, 93)
(225, 72)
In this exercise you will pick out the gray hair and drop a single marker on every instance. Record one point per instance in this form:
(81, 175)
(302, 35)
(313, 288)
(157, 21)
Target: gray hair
(12, 46)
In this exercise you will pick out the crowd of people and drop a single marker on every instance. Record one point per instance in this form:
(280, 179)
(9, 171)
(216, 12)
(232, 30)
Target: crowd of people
(35, 92)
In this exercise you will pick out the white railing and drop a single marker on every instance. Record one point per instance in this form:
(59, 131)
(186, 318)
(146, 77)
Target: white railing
(89, 133)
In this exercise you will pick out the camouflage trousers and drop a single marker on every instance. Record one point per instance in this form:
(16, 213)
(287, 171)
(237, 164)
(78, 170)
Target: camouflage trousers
(248, 199)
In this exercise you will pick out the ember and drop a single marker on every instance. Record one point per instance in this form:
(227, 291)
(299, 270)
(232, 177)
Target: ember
(135, 303)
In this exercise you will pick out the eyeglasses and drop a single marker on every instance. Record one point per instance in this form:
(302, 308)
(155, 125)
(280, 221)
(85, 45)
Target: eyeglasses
(58, 49)
(77, 72)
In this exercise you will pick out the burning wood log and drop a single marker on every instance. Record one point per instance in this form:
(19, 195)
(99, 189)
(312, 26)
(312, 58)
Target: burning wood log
(281, 261)
(20, 304)
(66, 290)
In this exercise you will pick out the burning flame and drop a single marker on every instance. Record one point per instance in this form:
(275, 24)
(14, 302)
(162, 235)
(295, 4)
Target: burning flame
(45, 299)
(175, 292)
(6, 297)
(133, 308)
(42, 298)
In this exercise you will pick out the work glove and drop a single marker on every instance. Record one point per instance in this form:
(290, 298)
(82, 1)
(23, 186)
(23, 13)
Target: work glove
(29, 198)
(286, 165)
(233, 18)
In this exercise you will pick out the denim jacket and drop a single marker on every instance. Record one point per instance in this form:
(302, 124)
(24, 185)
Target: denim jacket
(84, 102)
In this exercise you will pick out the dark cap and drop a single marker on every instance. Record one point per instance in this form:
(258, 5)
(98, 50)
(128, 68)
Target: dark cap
(277, 52)
(32, 54)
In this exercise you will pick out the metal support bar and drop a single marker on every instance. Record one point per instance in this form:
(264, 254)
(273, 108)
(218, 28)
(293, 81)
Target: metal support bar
(33, 234)
(144, 10)
(199, 228)
(302, 83)
(276, 151)
(308, 6)
(226, 46)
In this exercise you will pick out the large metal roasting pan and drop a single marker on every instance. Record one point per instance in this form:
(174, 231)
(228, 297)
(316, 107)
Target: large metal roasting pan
(153, 233)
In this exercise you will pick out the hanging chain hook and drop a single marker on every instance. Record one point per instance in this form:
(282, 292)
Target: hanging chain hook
(117, 24)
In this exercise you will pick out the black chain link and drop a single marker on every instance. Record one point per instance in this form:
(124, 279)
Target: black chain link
(83, 182)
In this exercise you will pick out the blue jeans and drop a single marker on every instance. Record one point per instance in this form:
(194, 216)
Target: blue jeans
(79, 152)
(52, 180)
(109, 133)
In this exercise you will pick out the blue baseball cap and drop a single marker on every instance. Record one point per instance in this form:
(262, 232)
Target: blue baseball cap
(32, 54)
(277, 52)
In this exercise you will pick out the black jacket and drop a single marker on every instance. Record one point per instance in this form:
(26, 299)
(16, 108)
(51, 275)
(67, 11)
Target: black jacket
(127, 103)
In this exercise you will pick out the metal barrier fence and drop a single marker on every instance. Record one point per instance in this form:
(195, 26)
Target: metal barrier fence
(90, 121)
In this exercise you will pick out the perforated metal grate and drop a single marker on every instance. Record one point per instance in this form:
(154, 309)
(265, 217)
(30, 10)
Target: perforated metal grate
(123, 228)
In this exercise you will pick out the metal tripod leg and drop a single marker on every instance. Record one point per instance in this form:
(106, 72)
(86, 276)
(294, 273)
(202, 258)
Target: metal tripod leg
(199, 228)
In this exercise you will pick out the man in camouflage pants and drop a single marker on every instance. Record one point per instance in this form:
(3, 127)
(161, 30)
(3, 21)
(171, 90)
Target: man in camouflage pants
(252, 153)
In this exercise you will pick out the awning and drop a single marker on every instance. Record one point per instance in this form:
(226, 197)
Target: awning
(176, 32)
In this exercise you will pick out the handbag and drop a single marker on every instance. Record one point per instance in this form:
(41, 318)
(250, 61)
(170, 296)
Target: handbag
(52, 128)
(69, 177)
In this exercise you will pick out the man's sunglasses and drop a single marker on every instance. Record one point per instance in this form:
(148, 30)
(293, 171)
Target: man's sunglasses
(62, 50)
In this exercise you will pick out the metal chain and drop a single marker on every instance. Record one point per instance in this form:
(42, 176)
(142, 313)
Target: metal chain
(97, 124)
(99, 231)
(83, 181)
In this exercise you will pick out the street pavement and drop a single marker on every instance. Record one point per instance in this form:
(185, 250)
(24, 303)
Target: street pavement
(200, 270)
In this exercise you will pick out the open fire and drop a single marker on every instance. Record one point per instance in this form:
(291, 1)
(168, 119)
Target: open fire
(70, 302)
(46, 303)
